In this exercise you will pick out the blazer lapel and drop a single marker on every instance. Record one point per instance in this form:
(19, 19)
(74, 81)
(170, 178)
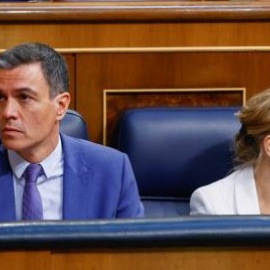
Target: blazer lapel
(7, 200)
(75, 188)
(246, 199)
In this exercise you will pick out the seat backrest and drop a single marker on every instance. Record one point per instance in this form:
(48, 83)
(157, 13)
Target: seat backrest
(74, 125)
(173, 151)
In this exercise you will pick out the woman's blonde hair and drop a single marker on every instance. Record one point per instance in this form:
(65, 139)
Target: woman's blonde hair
(255, 120)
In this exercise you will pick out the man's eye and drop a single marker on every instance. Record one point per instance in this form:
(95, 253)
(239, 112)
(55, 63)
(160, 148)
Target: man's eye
(1, 97)
(24, 97)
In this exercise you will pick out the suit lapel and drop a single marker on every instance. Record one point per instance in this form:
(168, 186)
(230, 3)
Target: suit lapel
(7, 200)
(75, 188)
(245, 193)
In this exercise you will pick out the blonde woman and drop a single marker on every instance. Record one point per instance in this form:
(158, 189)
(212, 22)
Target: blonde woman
(247, 190)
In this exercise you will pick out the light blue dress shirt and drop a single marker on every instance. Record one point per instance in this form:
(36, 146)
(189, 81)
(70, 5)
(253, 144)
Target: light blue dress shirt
(49, 185)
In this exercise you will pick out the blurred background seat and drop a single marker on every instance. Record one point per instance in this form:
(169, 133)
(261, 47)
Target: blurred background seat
(73, 124)
(174, 151)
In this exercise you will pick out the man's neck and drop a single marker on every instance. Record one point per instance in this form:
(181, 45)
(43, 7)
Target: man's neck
(38, 154)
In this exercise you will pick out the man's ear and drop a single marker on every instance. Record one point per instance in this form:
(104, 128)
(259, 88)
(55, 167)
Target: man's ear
(62, 103)
(266, 145)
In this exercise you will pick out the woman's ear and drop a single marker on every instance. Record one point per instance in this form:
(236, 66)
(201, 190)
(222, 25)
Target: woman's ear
(62, 103)
(266, 145)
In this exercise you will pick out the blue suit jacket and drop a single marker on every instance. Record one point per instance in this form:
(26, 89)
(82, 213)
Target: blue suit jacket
(98, 183)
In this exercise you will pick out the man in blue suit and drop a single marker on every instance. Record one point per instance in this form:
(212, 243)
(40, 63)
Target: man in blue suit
(77, 179)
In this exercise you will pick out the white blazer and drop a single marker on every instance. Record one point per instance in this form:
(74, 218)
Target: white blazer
(233, 195)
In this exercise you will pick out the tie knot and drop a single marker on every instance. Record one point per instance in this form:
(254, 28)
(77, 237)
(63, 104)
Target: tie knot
(32, 172)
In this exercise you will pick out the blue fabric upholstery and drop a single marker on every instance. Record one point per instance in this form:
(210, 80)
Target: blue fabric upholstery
(74, 125)
(176, 150)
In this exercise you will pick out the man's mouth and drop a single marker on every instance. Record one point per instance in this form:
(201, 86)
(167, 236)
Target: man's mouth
(10, 130)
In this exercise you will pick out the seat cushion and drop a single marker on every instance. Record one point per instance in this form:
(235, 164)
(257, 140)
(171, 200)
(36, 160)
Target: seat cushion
(74, 125)
(176, 150)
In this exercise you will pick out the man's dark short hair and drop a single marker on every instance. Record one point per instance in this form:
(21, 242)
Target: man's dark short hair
(53, 64)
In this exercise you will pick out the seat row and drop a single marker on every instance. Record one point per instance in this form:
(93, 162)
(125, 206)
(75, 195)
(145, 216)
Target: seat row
(173, 151)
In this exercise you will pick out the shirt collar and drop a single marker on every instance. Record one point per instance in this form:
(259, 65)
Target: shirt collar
(18, 164)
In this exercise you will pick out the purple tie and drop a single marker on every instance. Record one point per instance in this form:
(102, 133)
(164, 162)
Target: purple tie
(32, 204)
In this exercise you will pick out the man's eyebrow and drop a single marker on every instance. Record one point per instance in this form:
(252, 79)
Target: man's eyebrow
(22, 90)
(25, 90)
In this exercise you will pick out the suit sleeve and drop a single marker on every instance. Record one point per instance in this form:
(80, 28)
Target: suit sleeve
(129, 205)
(199, 203)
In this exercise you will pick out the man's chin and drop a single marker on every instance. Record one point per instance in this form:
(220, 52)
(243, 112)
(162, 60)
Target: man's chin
(12, 144)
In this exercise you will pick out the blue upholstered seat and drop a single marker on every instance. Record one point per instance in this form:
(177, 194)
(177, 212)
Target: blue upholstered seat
(74, 125)
(175, 150)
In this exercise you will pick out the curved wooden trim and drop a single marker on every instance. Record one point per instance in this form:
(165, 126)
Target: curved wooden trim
(166, 49)
(135, 11)
(163, 49)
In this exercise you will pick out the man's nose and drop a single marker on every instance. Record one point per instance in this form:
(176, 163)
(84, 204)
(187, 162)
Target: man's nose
(9, 109)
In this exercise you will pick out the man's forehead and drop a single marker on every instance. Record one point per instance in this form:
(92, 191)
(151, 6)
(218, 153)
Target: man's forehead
(23, 78)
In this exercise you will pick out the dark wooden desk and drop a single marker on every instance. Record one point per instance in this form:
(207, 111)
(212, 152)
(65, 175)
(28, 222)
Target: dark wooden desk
(173, 244)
